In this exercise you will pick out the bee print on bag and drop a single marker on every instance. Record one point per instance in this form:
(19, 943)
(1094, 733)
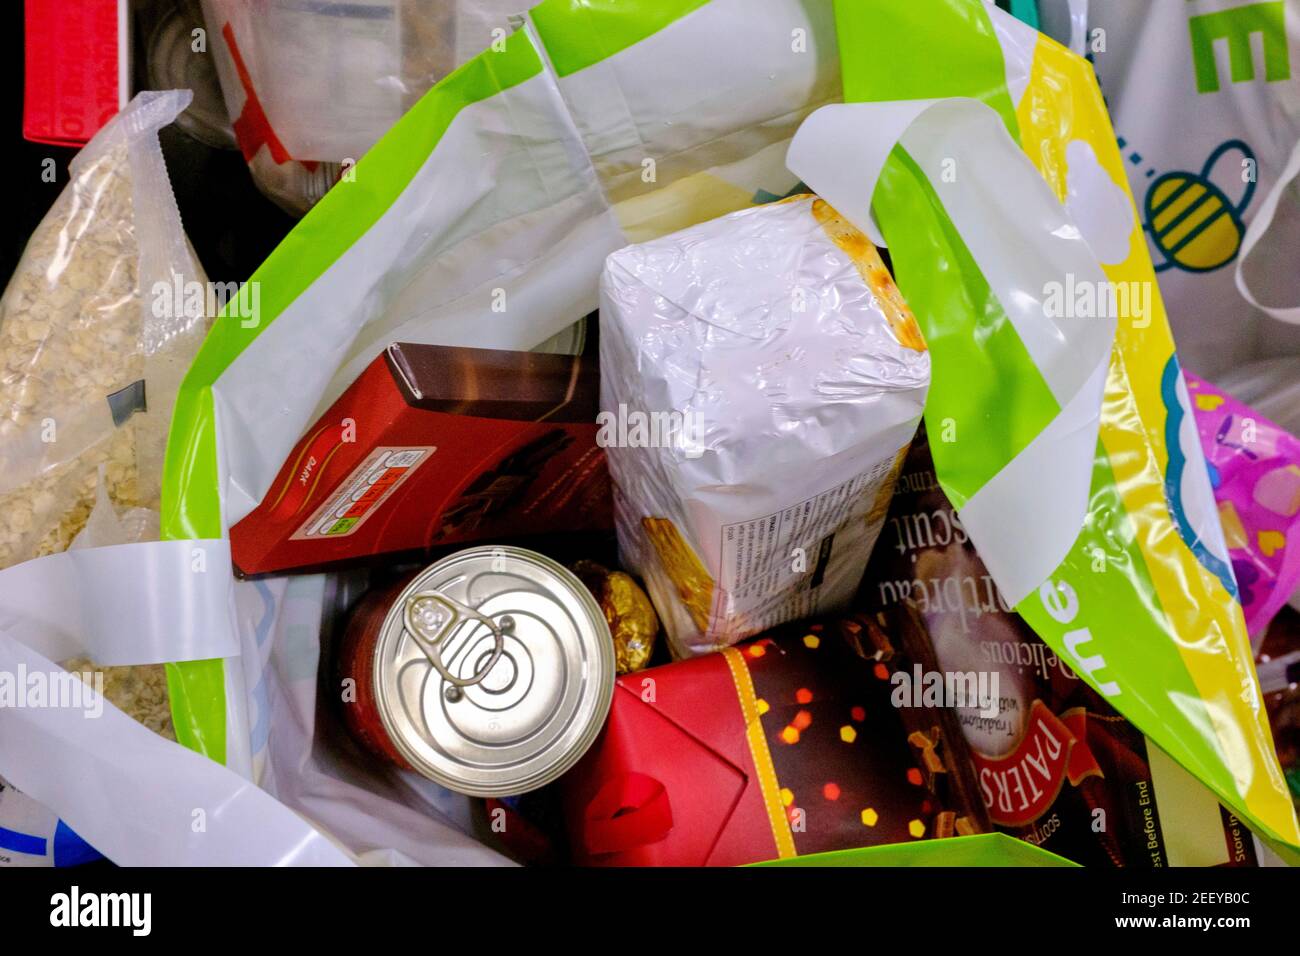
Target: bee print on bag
(1193, 222)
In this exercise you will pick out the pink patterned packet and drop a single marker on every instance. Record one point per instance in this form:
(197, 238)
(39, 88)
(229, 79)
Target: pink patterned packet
(1255, 470)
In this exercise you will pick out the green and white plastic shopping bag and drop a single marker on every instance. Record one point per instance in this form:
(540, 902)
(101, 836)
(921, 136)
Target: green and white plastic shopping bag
(1070, 453)
(484, 217)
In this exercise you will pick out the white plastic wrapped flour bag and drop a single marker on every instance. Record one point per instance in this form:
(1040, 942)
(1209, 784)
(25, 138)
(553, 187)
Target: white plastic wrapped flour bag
(761, 381)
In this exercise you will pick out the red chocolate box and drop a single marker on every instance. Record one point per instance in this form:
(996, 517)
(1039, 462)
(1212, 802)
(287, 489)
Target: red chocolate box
(782, 746)
(432, 446)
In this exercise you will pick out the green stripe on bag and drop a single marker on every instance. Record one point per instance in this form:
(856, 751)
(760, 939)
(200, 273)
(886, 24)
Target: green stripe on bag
(196, 692)
(986, 392)
(1120, 607)
(985, 382)
(191, 502)
(1105, 617)
(980, 849)
(191, 507)
(884, 56)
(987, 400)
(893, 60)
(581, 33)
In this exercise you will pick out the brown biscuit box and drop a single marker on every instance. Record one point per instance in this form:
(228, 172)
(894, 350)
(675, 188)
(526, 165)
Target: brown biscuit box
(1056, 765)
(433, 446)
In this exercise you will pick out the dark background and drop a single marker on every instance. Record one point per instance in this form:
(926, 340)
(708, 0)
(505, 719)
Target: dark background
(231, 225)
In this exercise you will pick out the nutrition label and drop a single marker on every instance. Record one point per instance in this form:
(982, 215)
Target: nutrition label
(361, 493)
(772, 566)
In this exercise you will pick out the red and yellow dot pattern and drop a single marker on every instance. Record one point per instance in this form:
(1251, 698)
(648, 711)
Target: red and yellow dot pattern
(847, 773)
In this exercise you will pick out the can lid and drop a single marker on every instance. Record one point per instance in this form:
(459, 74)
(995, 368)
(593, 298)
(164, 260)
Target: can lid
(494, 671)
(174, 64)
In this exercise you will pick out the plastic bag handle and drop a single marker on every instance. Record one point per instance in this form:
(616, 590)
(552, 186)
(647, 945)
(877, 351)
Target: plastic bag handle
(1255, 232)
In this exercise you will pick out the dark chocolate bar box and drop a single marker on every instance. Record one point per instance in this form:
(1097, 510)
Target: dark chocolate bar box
(432, 446)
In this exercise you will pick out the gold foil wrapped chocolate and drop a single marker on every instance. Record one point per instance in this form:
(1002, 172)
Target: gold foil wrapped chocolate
(684, 568)
(628, 611)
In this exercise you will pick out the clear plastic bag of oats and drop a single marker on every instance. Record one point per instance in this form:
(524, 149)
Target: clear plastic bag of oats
(98, 324)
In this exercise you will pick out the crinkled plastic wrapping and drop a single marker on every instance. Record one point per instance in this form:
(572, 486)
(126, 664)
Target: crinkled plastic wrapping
(1271, 387)
(760, 380)
(94, 348)
(92, 355)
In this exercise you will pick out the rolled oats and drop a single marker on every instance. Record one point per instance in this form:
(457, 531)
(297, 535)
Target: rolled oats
(139, 691)
(89, 367)
(76, 326)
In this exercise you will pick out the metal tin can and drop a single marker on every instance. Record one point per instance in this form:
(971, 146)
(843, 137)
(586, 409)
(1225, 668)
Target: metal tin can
(490, 672)
(174, 64)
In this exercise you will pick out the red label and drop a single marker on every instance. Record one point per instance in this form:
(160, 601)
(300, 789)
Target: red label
(361, 491)
(1019, 787)
(72, 84)
(252, 127)
(377, 474)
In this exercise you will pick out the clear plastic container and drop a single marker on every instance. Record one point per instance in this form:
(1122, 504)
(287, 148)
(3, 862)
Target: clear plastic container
(311, 85)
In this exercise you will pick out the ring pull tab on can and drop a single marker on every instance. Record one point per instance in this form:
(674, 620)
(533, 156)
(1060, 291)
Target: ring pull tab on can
(430, 616)
(551, 683)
